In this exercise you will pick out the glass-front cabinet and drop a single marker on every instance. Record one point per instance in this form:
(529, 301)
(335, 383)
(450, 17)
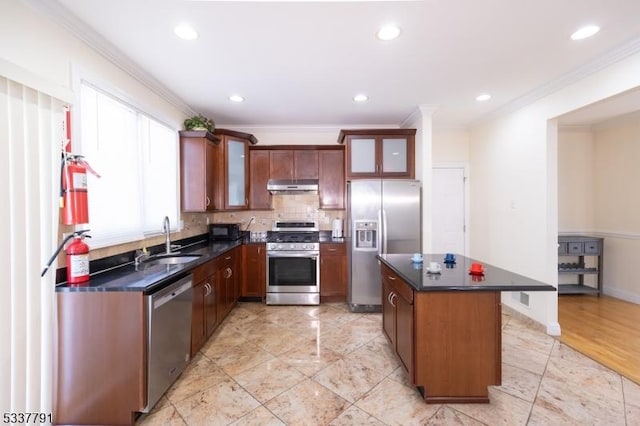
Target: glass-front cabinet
(386, 153)
(233, 169)
(237, 157)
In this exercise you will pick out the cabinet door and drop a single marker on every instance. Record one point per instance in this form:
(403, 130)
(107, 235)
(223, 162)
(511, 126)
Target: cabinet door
(236, 168)
(331, 182)
(211, 152)
(363, 158)
(198, 333)
(281, 164)
(388, 313)
(259, 197)
(254, 272)
(404, 333)
(333, 272)
(211, 308)
(305, 164)
(394, 155)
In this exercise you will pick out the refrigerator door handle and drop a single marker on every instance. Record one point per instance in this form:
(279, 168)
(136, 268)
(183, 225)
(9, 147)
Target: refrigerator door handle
(380, 231)
(384, 232)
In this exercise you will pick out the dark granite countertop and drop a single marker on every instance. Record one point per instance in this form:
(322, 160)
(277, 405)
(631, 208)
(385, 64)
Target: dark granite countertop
(456, 277)
(148, 277)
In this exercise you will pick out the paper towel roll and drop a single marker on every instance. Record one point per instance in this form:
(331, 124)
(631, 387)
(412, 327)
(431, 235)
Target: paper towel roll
(337, 228)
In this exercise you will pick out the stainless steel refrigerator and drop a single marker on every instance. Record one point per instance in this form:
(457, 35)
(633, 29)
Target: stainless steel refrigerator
(384, 216)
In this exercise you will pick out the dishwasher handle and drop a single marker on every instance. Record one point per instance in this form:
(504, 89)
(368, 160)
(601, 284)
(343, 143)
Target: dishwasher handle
(172, 292)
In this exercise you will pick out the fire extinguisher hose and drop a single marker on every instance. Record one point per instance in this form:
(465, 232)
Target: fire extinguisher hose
(55, 254)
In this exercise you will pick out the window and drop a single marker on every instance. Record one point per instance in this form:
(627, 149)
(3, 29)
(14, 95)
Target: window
(136, 158)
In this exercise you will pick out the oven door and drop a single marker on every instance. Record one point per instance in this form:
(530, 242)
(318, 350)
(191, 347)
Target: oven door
(293, 272)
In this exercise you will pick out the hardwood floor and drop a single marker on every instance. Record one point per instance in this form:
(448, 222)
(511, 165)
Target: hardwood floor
(605, 329)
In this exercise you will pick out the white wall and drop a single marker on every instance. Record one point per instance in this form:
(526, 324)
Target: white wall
(514, 207)
(33, 42)
(576, 181)
(450, 146)
(617, 204)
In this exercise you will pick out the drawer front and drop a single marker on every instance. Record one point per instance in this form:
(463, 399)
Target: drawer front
(575, 248)
(397, 285)
(562, 249)
(333, 249)
(592, 247)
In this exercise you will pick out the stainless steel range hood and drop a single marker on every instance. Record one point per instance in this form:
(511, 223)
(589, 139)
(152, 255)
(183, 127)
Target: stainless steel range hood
(296, 186)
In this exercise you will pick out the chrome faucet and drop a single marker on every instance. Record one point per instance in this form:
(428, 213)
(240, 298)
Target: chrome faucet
(167, 238)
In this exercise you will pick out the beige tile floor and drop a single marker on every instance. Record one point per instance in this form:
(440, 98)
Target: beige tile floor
(323, 365)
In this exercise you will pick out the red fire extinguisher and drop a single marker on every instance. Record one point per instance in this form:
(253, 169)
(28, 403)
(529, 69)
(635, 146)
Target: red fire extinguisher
(73, 189)
(78, 259)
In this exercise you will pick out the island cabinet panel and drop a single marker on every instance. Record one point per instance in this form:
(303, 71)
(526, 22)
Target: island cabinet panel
(397, 318)
(457, 345)
(448, 342)
(101, 358)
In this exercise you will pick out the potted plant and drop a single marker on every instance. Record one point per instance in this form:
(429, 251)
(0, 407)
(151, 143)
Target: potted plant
(199, 122)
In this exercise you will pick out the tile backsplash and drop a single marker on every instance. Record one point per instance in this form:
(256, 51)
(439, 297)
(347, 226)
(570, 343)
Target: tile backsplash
(285, 207)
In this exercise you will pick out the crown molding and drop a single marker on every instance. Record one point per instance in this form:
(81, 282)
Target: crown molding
(617, 54)
(303, 128)
(70, 22)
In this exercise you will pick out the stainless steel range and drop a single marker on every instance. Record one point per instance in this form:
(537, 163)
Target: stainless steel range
(293, 263)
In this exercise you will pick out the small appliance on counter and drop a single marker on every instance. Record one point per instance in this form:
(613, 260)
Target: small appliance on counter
(336, 228)
(224, 232)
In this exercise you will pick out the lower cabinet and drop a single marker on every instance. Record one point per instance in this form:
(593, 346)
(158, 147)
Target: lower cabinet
(214, 295)
(397, 319)
(449, 342)
(101, 358)
(333, 272)
(254, 279)
(204, 317)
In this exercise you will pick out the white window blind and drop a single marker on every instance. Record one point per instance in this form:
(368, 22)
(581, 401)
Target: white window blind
(136, 158)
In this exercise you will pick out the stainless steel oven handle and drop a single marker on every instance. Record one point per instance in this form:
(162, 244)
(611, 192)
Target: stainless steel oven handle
(293, 254)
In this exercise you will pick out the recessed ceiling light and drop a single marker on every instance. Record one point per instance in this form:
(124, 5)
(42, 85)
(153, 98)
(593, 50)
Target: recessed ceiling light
(236, 98)
(360, 98)
(585, 32)
(185, 32)
(388, 32)
(483, 97)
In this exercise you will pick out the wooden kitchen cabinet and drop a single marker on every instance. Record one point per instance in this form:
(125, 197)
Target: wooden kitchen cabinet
(198, 177)
(232, 168)
(383, 153)
(333, 272)
(293, 163)
(259, 197)
(254, 279)
(204, 317)
(449, 342)
(226, 277)
(397, 319)
(101, 359)
(331, 179)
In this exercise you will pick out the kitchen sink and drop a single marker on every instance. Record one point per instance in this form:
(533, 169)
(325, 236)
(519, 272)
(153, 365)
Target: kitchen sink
(171, 259)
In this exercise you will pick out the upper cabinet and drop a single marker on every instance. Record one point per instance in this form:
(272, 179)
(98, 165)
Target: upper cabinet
(198, 154)
(293, 164)
(232, 168)
(259, 197)
(214, 170)
(385, 153)
(331, 181)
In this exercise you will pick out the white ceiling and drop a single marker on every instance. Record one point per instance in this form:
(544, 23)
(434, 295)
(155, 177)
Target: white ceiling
(300, 63)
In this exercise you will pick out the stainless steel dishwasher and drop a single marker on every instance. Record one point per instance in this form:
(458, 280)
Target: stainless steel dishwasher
(169, 336)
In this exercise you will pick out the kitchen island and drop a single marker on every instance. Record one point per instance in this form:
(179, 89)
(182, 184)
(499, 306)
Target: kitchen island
(445, 328)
